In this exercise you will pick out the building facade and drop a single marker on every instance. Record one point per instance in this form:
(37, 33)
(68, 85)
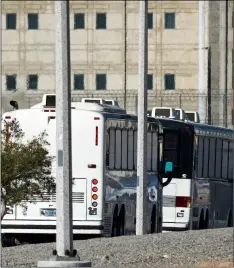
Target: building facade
(104, 53)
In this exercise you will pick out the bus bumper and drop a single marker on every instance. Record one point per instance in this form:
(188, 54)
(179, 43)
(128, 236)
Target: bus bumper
(172, 226)
(40, 227)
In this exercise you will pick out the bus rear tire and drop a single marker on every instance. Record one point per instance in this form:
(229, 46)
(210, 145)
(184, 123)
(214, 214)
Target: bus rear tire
(153, 221)
(122, 221)
(201, 221)
(230, 220)
(115, 223)
(159, 227)
(206, 224)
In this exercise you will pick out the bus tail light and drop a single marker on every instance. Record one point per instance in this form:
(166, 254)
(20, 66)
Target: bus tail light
(183, 201)
(96, 138)
(91, 166)
(94, 181)
(94, 204)
(94, 189)
(94, 197)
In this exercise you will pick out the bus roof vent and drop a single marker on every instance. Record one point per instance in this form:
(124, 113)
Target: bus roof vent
(181, 115)
(193, 116)
(164, 112)
(91, 104)
(98, 107)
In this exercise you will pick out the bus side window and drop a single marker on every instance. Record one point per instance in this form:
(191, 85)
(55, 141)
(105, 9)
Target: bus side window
(206, 157)
(155, 151)
(135, 150)
(200, 157)
(218, 163)
(225, 160)
(107, 148)
(212, 157)
(230, 164)
(112, 149)
(130, 150)
(118, 148)
(149, 151)
(124, 157)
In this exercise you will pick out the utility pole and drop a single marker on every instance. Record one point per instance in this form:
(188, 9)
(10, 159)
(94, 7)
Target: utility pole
(209, 85)
(223, 63)
(64, 255)
(201, 98)
(233, 110)
(142, 121)
(1, 112)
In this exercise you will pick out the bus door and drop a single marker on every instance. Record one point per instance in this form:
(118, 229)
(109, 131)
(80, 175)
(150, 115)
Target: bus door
(171, 154)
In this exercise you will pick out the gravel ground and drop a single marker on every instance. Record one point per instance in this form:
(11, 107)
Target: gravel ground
(205, 248)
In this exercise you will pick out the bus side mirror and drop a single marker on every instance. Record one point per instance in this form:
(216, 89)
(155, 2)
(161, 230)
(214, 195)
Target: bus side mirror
(168, 167)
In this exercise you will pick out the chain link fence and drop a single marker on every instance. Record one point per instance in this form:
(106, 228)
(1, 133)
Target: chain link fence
(129, 100)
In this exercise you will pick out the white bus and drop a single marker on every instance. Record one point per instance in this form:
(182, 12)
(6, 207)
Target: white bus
(200, 194)
(104, 169)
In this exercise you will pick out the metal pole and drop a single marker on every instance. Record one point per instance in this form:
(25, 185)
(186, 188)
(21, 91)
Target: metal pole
(209, 86)
(1, 112)
(223, 67)
(233, 118)
(125, 54)
(65, 256)
(142, 121)
(226, 65)
(64, 236)
(201, 105)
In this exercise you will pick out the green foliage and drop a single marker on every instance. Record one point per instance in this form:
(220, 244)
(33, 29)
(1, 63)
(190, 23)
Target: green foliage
(26, 166)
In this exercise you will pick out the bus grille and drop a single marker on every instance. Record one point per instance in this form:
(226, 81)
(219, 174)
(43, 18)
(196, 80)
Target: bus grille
(106, 208)
(107, 226)
(169, 201)
(76, 198)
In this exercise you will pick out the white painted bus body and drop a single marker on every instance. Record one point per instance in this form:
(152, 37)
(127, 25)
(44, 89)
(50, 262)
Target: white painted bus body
(116, 188)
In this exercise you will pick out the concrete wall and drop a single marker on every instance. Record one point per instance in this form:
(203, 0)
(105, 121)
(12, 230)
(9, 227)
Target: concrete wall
(103, 51)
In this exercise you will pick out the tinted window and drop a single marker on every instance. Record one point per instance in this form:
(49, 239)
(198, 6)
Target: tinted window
(150, 20)
(171, 140)
(170, 20)
(169, 80)
(177, 113)
(200, 157)
(11, 21)
(101, 21)
(130, 150)
(32, 21)
(162, 112)
(225, 160)
(230, 162)
(190, 116)
(78, 81)
(79, 21)
(171, 147)
(218, 158)
(11, 82)
(92, 101)
(212, 157)
(51, 101)
(206, 157)
(100, 81)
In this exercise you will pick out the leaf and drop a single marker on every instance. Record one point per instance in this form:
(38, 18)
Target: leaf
(26, 166)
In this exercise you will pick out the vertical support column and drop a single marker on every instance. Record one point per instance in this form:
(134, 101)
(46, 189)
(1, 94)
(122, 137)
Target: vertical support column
(142, 121)
(64, 236)
(201, 108)
(223, 64)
